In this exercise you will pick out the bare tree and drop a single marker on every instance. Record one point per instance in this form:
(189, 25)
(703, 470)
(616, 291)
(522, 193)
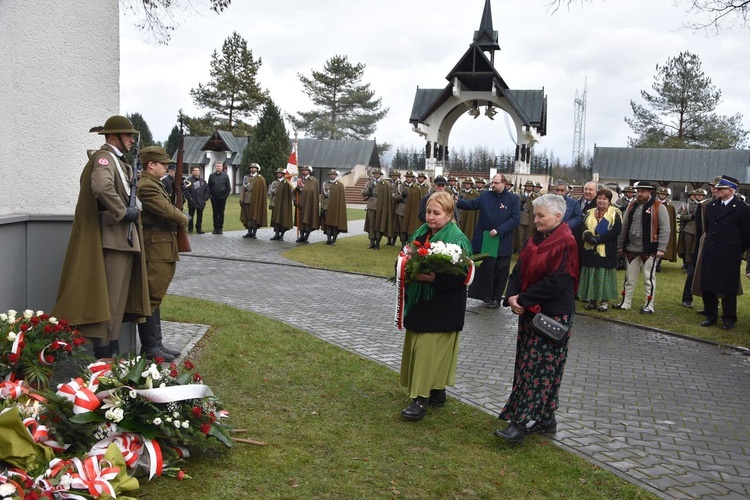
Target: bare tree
(158, 17)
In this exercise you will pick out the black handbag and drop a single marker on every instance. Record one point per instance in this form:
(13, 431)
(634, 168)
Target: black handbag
(549, 328)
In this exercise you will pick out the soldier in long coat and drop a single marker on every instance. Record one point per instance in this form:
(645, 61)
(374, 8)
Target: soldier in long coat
(413, 197)
(467, 219)
(160, 220)
(333, 219)
(280, 195)
(104, 272)
(686, 216)
(670, 253)
(727, 239)
(379, 221)
(253, 201)
(308, 206)
(398, 200)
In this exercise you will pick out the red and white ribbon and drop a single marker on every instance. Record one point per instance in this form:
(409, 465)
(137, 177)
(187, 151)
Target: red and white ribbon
(166, 394)
(94, 476)
(470, 273)
(400, 289)
(84, 400)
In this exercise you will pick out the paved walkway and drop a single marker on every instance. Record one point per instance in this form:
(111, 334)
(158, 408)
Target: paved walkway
(669, 414)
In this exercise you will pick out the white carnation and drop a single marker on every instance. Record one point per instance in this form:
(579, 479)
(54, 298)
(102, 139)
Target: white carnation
(28, 313)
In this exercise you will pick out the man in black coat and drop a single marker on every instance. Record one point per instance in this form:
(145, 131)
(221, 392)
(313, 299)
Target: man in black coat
(197, 195)
(727, 238)
(220, 187)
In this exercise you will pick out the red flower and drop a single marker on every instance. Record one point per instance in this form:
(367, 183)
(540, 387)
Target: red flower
(47, 329)
(63, 323)
(180, 475)
(49, 359)
(649, 298)
(55, 345)
(417, 244)
(12, 357)
(206, 428)
(44, 317)
(77, 341)
(423, 252)
(24, 327)
(173, 373)
(427, 244)
(189, 365)
(197, 377)
(68, 348)
(158, 360)
(172, 366)
(197, 411)
(34, 320)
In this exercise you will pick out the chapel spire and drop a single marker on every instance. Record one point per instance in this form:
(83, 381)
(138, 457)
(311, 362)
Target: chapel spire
(486, 37)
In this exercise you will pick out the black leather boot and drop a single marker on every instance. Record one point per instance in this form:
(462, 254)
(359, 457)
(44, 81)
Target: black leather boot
(100, 351)
(114, 348)
(275, 236)
(253, 233)
(372, 244)
(416, 410)
(149, 347)
(437, 398)
(247, 235)
(157, 328)
(328, 239)
(333, 239)
(512, 434)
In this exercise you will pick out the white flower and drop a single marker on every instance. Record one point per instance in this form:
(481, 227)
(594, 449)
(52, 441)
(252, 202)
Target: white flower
(3, 317)
(162, 385)
(7, 490)
(11, 336)
(11, 320)
(52, 320)
(12, 312)
(177, 423)
(157, 421)
(185, 424)
(28, 313)
(133, 394)
(168, 419)
(114, 414)
(175, 414)
(39, 313)
(65, 481)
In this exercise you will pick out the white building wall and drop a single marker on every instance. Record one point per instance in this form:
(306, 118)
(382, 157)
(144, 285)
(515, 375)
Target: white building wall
(60, 76)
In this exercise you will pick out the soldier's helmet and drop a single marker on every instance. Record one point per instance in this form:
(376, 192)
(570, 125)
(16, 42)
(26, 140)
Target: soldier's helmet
(468, 180)
(452, 178)
(333, 172)
(377, 171)
(481, 181)
(395, 173)
(409, 173)
(118, 124)
(281, 170)
(422, 175)
(629, 189)
(305, 167)
(538, 184)
(663, 190)
(529, 183)
(701, 192)
(253, 165)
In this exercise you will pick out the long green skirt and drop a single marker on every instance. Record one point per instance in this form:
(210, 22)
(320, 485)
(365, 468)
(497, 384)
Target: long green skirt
(429, 361)
(598, 283)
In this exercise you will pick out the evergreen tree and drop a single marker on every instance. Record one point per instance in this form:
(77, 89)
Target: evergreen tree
(680, 113)
(233, 91)
(345, 107)
(269, 146)
(173, 141)
(147, 139)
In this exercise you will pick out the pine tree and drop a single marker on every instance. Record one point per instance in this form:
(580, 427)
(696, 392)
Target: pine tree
(680, 112)
(173, 141)
(346, 108)
(147, 139)
(269, 146)
(233, 92)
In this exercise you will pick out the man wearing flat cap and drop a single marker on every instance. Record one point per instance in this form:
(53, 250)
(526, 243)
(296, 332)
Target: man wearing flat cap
(160, 219)
(103, 279)
(439, 184)
(727, 238)
(643, 241)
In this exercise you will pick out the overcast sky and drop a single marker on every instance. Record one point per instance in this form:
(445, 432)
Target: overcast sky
(408, 44)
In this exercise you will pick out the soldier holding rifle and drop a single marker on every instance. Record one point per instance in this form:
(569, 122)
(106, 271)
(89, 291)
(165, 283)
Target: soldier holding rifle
(104, 273)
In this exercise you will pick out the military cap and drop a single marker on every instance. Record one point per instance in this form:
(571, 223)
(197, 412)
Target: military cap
(172, 166)
(333, 171)
(452, 178)
(726, 182)
(422, 174)
(281, 170)
(395, 172)
(538, 184)
(715, 181)
(117, 124)
(468, 180)
(156, 154)
(254, 165)
(529, 183)
(481, 181)
(306, 167)
(440, 180)
(701, 192)
(409, 173)
(662, 190)
(377, 171)
(629, 189)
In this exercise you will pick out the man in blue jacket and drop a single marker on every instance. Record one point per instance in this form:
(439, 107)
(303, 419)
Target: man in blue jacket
(499, 213)
(573, 213)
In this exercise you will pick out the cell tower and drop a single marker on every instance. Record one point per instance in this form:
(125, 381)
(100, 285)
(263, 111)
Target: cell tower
(579, 126)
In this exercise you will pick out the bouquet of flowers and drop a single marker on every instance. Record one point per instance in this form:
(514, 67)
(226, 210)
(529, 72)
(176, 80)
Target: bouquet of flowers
(33, 343)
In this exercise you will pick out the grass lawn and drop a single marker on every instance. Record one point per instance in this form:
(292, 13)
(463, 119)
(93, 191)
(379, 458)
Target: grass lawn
(232, 215)
(351, 254)
(331, 421)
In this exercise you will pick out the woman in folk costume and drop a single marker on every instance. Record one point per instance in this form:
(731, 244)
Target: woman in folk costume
(544, 280)
(434, 310)
(601, 227)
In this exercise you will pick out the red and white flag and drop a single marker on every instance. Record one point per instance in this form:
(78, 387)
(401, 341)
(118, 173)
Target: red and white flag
(291, 164)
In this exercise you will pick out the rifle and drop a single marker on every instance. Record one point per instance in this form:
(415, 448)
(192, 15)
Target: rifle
(134, 186)
(183, 242)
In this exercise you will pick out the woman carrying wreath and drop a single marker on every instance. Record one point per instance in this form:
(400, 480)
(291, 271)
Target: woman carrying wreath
(544, 280)
(602, 225)
(434, 309)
